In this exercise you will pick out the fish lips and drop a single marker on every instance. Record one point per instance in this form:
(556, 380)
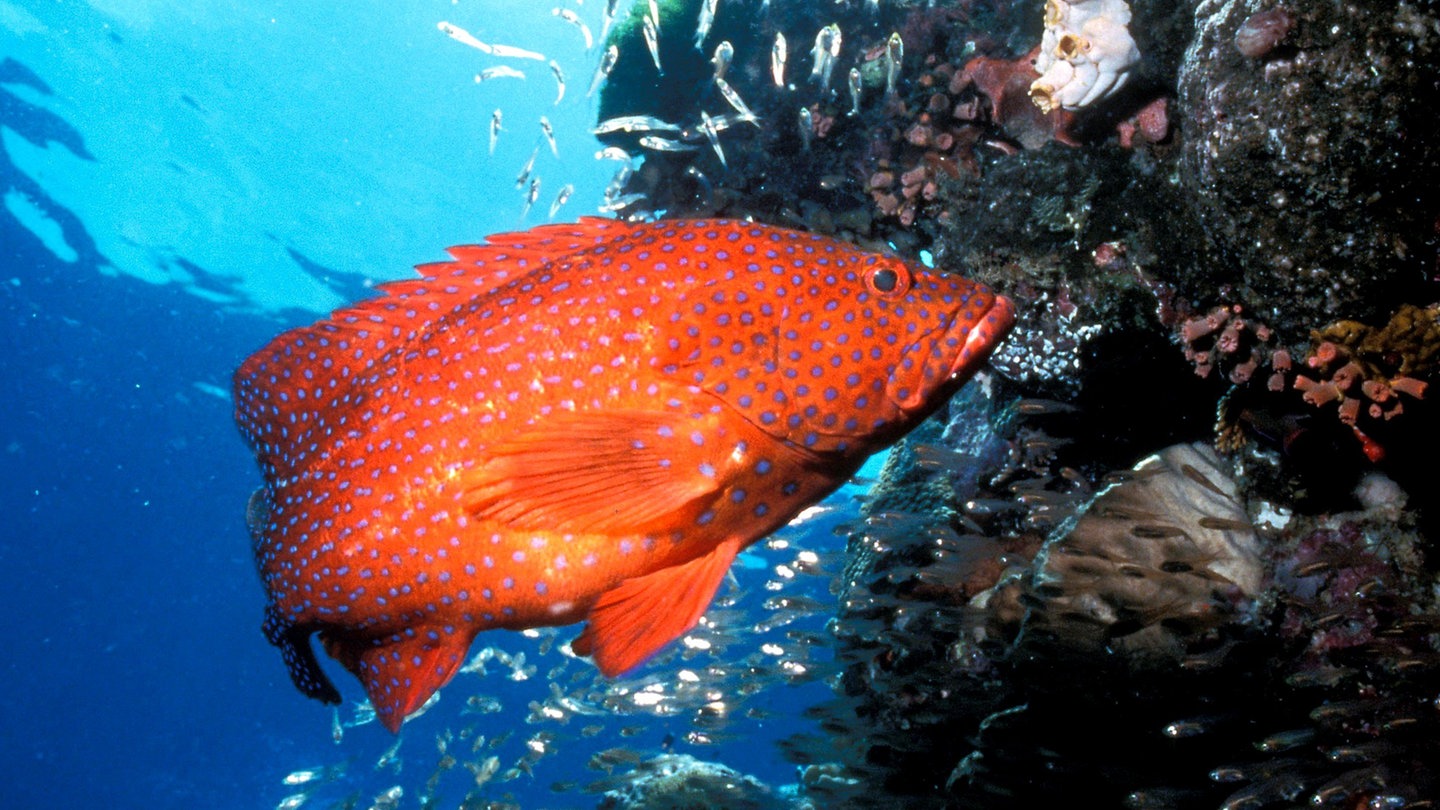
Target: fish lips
(953, 357)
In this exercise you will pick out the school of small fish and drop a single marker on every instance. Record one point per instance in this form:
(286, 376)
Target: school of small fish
(655, 135)
(765, 634)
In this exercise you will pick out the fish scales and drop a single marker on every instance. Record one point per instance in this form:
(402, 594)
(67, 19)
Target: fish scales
(581, 422)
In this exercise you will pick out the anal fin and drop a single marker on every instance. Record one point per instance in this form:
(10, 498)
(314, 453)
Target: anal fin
(401, 674)
(632, 621)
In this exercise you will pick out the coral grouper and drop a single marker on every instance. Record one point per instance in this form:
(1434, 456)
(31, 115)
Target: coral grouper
(579, 422)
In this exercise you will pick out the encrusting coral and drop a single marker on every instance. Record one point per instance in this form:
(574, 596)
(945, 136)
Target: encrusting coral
(1360, 366)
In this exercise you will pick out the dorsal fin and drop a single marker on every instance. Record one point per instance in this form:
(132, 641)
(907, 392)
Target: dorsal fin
(288, 389)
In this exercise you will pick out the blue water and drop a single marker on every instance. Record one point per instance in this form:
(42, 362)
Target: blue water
(182, 180)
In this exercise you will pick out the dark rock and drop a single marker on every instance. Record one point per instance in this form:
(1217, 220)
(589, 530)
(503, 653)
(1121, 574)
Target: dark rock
(1310, 170)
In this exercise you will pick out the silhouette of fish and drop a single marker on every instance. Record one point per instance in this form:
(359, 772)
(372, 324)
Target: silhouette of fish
(577, 422)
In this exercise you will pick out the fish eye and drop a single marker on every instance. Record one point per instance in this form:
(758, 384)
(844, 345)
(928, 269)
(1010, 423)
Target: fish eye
(890, 282)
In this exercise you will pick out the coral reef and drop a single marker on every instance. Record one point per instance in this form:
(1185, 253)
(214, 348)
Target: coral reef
(1237, 250)
(1225, 339)
(1169, 645)
(1353, 363)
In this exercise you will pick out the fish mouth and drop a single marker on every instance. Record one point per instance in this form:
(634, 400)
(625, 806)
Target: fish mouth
(967, 343)
(981, 338)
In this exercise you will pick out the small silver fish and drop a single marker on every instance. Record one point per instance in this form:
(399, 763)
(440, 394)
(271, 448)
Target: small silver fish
(707, 19)
(729, 94)
(460, 35)
(495, 119)
(484, 771)
(607, 64)
(574, 19)
(531, 196)
(390, 757)
(777, 59)
(655, 16)
(820, 52)
(303, 776)
(529, 166)
(724, 122)
(855, 91)
(498, 72)
(652, 41)
(559, 80)
(561, 198)
(707, 125)
(834, 44)
(618, 203)
(613, 153)
(894, 60)
(724, 52)
(618, 182)
(507, 52)
(655, 143)
(610, 8)
(634, 123)
(549, 133)
(807, 127)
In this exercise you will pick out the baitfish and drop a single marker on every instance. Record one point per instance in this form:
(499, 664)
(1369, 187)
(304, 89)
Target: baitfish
(559, 80)
(777, 60)
(607, 64)
(464, 37)
(652, 41)
(531, 196)
(580, 422)
(498, 72)
(548, 131)
(655, 143)
(634, 123)
(724, 55)
(707, 19)
(561, 198)
(611, 6)
(712, 134)
(574, 19)
(728, 93)
(529, 167)
(894, 60)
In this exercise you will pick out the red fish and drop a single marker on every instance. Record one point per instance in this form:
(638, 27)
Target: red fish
(579, 422)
